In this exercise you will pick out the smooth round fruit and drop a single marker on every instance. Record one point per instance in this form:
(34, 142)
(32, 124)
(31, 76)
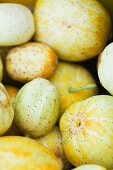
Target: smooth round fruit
(36, 107)
(90, 167)
(69, 75)
(6, 111)
(76, 30)
(1, 69)
(29, 61)
(12, 91)
(105, 68)
(30, 3)
(53, 142)
(16, 24)
(21, 153)
(86, 129)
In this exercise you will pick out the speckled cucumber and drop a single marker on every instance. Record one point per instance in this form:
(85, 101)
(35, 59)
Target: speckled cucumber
(16, 24)
(76, 29)
(31, 60)
(36, 107)
(87, 130)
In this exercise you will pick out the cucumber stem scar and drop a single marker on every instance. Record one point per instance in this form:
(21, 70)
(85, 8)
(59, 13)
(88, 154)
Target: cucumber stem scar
(77, 89)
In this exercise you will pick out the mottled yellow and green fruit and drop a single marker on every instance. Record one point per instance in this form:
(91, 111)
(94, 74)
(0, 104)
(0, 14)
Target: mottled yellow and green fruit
(36, 107)
(69, 76)
(87, 131)
(105, 68)
(6, 110)
(16, 24)
(31, 60)
(90, 167)
(53, 141)
(21, 153)
(76, 30)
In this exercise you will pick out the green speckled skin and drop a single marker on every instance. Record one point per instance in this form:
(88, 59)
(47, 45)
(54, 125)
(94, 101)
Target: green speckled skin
(36, 107)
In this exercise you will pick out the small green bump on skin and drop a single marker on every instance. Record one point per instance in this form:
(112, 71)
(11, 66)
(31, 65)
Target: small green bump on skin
(77, 89)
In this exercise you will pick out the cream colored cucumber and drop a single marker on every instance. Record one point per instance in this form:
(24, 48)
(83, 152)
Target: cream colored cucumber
(36, 107)
(16, 24)
(90, 167)
(105, 68)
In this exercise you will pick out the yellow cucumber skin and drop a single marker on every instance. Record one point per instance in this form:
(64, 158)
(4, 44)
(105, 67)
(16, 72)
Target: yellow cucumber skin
(72, 75)
(76, 30)
(29, 3)
(31, 60)
(21, 153)
(86, 129)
